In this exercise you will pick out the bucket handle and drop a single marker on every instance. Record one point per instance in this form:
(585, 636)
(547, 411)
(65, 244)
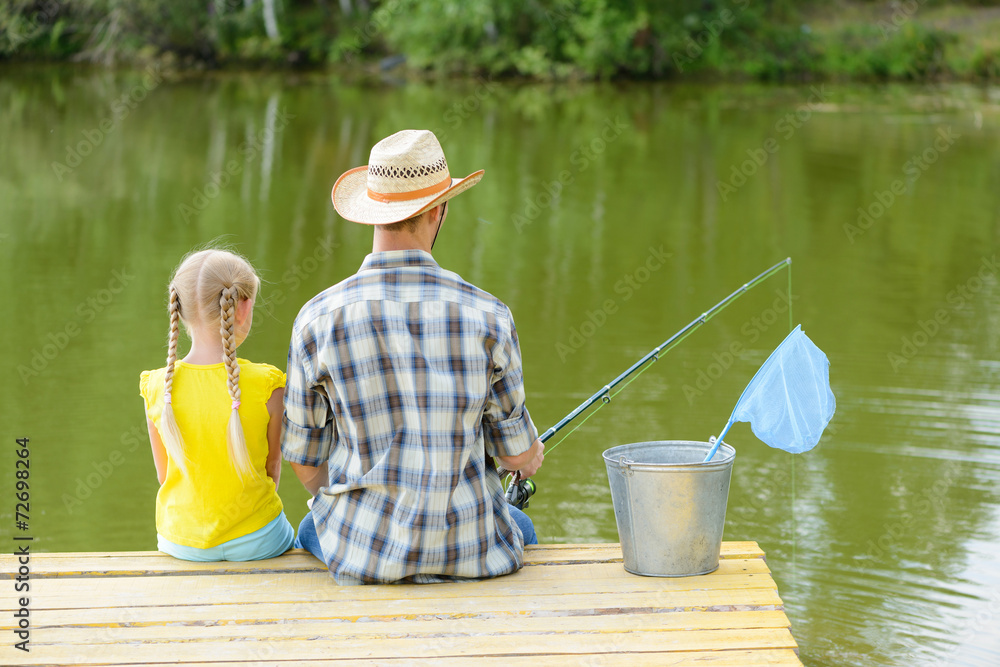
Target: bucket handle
(625, 465)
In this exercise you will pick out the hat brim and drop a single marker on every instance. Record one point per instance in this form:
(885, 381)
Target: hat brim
(350, 198)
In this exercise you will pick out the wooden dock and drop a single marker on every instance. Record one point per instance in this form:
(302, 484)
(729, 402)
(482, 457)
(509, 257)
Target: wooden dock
(569, 605)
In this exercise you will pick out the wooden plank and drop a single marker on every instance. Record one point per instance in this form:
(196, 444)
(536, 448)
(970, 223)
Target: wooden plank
(352, 610)
(146, 563)
(94, 565)
(744, 549)
(181, 630)
(733, 549)
(573, 572)
(286, 564)
(774, 657)
(413, 609)
(223, 590)
(569, 604)
(420, 609)
(572, 646)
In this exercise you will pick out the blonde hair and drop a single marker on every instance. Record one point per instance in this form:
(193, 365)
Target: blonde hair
(205, 290)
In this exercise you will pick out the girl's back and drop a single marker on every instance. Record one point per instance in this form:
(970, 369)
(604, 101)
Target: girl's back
(215, 421)
(212, 504)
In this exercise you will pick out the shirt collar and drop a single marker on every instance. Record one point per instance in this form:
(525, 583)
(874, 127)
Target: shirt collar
(395, 259)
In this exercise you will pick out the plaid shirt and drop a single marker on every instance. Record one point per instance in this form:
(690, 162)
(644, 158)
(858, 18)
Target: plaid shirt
(407, 380)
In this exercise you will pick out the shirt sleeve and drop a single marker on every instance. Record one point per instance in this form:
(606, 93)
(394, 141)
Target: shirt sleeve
(143, 387)
(507, 426)
(152, 393)
(275, 379)
(308, 426)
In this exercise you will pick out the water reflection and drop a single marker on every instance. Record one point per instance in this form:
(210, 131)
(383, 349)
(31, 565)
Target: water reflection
(882, 539)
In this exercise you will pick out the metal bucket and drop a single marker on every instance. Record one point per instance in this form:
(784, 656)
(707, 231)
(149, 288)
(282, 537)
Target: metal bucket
(670, 506)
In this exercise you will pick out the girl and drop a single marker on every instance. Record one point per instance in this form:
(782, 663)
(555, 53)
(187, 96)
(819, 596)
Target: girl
(215, 422)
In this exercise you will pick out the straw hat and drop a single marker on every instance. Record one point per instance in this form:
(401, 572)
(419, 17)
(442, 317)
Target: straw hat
(406, 174)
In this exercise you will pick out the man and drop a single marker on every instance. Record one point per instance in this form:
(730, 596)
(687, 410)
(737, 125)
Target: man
(404, 383)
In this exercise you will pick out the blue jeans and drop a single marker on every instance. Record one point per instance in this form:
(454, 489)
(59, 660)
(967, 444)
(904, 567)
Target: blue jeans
(523, 522)
(308, 539)
(270, 541)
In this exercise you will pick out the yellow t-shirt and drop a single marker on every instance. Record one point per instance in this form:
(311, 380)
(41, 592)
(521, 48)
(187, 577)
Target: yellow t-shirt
(211, 505)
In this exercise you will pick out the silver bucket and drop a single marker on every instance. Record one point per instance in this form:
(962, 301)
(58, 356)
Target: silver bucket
(670, 506)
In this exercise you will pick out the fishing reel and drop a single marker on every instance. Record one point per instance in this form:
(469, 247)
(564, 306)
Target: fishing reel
(519, 492)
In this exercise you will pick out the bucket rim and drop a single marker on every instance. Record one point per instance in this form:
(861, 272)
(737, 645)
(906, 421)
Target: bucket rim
(726, 451)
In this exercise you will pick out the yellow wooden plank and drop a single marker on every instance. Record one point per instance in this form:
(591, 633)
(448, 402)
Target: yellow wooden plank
(742, 549)
(91, 592)
(772, 657)
(515, 624)
(145, 563)
(222, 590)
(294, 583)
(572, 646)
(93, 565)
(415, 608)
(745, 549)
(115, 565)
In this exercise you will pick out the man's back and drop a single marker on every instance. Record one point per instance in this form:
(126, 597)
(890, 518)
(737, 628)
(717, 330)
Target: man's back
(407, 380)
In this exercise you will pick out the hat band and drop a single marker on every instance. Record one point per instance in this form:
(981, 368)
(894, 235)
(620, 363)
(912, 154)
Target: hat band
(413, 194)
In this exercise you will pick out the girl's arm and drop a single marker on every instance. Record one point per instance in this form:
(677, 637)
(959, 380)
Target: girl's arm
(159, 451)
(275, 409)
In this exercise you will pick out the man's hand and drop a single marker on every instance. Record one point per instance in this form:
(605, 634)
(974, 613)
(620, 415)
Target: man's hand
(526, 463)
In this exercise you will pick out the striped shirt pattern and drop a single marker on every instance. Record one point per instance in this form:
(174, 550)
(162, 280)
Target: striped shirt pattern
(407, 380)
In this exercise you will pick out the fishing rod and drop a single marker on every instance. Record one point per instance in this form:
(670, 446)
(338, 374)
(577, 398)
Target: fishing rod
(519, 491)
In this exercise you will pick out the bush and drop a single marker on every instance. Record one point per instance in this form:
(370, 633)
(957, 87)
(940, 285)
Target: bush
(913, 53)
(596, 38)
(986, 64)
(181, 26)
(547, 39)
(43, 29)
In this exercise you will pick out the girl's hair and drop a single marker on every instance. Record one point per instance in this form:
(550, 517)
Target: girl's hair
(204, 292)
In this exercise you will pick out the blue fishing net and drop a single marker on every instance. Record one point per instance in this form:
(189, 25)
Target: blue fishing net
(789, 401)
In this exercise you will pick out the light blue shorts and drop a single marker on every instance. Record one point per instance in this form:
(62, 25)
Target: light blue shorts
(272, 540)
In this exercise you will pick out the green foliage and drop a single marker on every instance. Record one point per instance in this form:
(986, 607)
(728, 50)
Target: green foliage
(607, 39)
(739, 39)
(30, 28)
(595, 38)
(543, 39)
(464, 36)
(913, 52)
(181, 26)
(986, 64)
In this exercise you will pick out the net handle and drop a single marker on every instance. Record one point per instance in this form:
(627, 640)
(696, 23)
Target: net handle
(732, 417)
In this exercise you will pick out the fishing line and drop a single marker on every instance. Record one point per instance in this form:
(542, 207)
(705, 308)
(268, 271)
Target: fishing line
(795, 526)
(609, 391)
(791, 322)
(611, 396)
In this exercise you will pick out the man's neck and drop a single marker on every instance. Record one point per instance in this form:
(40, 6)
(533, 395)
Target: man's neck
(421, 238)
(384, 242)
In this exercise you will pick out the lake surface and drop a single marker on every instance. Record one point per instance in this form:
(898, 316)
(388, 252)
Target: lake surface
(609, 217)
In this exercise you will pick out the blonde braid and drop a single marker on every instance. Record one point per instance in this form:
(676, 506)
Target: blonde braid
(227, 304)
(235, 439)
(170, 434)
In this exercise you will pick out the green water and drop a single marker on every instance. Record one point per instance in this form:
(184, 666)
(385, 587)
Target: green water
(882, 539)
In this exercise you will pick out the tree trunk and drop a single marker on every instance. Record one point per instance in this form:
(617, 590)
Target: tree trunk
(271, 21)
